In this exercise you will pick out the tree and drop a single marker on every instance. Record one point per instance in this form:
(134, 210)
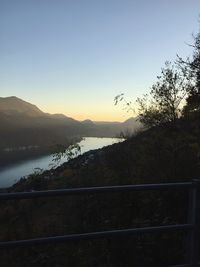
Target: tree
(176, 92)
(65, 151)
(166, 97)
(191, 67)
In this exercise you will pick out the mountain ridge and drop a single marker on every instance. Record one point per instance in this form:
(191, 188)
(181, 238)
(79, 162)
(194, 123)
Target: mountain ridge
(15, 104)
(24, 124)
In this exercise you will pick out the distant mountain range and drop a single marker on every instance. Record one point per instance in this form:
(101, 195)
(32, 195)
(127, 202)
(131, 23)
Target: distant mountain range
(24, 124)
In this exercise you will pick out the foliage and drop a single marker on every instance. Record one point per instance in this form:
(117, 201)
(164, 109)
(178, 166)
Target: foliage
(191, 67)
(66, 151)
(176, 92)
(166, 97)
(127, 105)
(164, 102)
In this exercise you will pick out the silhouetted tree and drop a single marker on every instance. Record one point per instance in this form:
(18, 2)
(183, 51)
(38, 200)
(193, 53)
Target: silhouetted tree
(191, 67)
(166, 97)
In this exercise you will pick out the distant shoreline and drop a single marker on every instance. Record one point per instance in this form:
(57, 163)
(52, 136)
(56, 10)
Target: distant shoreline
(11, 158)
(8, 159)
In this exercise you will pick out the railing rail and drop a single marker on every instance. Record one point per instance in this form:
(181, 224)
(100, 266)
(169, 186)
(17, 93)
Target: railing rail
(94, 190)
(95, 235)
(193, 225)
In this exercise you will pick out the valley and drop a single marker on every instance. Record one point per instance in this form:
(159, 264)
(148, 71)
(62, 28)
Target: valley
(26, 132)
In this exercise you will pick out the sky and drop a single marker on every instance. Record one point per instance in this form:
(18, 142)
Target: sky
(74, 56)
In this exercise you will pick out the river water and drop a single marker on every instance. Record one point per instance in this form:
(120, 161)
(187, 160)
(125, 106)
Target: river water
(11, 174)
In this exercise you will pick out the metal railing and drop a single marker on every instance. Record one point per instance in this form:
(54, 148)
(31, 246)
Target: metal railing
(193, 225)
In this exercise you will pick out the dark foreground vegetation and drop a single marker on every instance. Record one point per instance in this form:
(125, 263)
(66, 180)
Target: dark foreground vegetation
(157, 155)
(168, 151)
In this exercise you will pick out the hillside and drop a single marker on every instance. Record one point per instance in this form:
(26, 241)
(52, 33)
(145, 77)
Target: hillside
(163, 154)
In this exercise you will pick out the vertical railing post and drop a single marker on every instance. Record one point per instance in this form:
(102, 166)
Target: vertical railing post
(194, 219)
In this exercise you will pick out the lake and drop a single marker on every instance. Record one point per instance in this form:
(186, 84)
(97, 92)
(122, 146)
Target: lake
(11, 174)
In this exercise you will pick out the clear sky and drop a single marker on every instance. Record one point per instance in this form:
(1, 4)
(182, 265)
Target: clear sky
(75, 56)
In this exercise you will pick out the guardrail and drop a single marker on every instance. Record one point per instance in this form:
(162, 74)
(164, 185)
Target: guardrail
(193, 225)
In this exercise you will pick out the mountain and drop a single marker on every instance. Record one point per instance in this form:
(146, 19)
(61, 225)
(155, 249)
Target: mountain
(88, 122)
(12, 104)
(125, 128)
(15, 112)
(17, 115)
(23, 124)
(15, 106)
(26, 131)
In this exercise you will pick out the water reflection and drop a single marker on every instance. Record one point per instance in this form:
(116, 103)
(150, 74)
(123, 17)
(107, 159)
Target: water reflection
(12, 174)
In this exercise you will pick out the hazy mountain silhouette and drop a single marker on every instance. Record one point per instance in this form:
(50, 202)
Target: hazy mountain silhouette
(15, 106)
(12, 104)
(88, 122)
(25, 124)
